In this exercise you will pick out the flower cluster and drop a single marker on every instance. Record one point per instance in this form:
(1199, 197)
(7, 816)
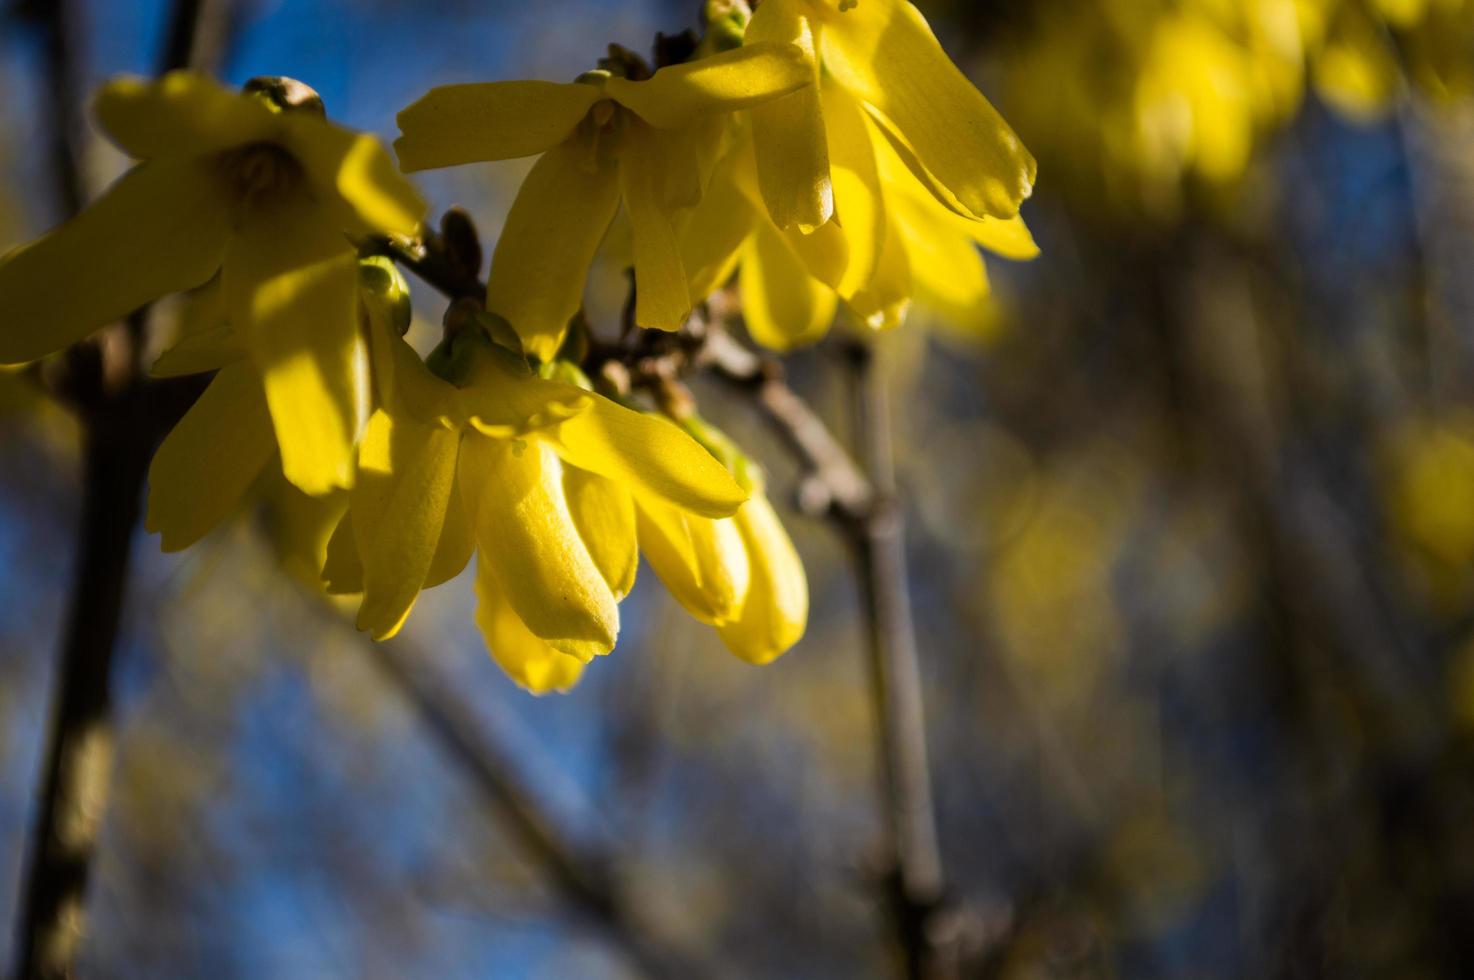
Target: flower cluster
(1149, 92)
(825, 154)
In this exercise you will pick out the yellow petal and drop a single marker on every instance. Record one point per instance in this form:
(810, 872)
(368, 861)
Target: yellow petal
(857, 188)
(791, 145)
(406, 475)
(604, 513)
(457, 124)
(354, 176)
(183, 113)
(514, 495)
(784, 307)
(206, 464)
(662, 297)
(679, 95)
(884, 301)
(777, 608)
(291, 289)
(501, 403)
(160, 229)
(649, 456)
(884, 52)
(946, 268)
(711, 241)
(205, 341)
(701, 561)
(457, 542)
(342, 572)
(542, 257)
(406, 386)
(526, 658)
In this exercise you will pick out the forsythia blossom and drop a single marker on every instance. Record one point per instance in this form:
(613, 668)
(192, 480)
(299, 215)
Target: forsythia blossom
(825, 153)
(603, 139)
(538, 475)
(228, 184)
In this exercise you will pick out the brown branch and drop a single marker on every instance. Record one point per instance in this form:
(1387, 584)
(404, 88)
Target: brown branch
(928, 929)
(116, 409)
(833, 484)
(580, 873)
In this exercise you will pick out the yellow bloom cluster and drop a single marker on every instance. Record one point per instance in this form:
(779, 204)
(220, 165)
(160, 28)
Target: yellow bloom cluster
(828, 153)
(1147, 92)
(828, 149)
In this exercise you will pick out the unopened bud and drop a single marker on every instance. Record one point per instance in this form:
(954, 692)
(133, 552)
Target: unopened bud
(286, 94)
(383, 283)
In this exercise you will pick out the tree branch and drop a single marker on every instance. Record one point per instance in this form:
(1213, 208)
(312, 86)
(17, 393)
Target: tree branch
(929, 931)
(102, 382)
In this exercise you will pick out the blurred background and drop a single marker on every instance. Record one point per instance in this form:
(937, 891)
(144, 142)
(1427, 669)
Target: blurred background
(1191, 523)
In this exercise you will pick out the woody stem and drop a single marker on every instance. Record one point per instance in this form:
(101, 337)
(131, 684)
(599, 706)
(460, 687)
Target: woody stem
(914, 876)
(116, 411)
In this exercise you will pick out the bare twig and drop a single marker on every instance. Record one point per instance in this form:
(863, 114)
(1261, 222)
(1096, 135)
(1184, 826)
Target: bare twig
(581, 874)
(928, 929)
(833, 483)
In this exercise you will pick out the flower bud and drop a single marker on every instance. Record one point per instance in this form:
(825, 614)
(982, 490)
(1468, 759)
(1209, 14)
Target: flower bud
(382, 283)
(286, 94)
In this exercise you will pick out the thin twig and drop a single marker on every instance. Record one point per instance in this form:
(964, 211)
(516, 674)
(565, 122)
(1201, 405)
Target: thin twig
(581, 874)
(928, 930)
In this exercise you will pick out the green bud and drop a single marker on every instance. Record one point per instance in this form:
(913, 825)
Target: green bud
(456, 358)
(726, 26)
(382, 283)
(500, 330)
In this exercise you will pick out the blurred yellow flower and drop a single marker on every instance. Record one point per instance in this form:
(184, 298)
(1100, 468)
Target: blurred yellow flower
(228, 184)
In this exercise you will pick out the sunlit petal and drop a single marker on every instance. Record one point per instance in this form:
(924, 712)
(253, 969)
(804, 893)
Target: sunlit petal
(354, 176)
(792, 149)
(406, 476)
(551, 234)
(527, 659)
(291, 289)
(662, 297)
(776, 611)
(457, 124)
(649, 455)
(514, 495)
(679, 95)
(784, 307)
(604, 513)
(884, 52)
(701, 561)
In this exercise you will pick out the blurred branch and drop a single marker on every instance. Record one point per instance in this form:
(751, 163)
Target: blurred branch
(927, 928)
(119, 413)
(580, 873)
(833, 482)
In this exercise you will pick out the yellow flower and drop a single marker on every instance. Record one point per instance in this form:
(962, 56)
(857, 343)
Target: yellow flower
(894, 240)
(603, 139)
(227, 184)
(224, 443)
(740, 574)
(884, 54)
(536, 475)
